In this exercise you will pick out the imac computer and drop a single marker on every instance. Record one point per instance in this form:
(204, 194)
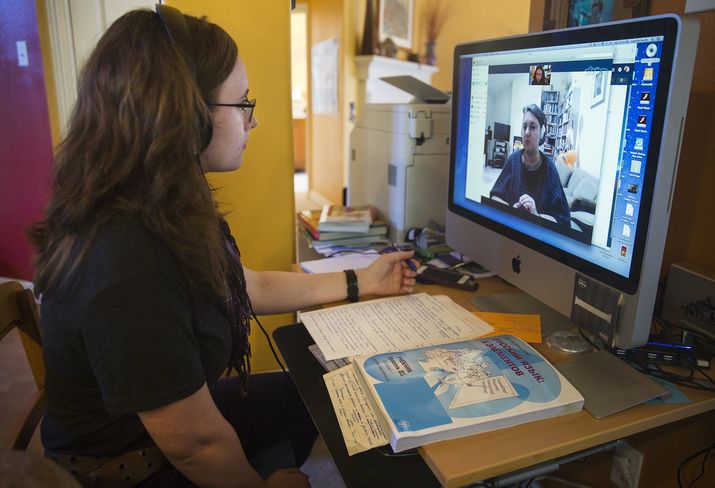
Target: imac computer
(595, 116)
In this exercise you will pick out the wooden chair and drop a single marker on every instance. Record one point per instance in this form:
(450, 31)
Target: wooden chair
(19, 309)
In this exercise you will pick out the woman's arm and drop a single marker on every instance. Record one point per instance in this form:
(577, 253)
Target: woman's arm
(200, 443)
(279, 292)
(501, 191)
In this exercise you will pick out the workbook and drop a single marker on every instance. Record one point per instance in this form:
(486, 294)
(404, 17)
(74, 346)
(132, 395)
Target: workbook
(427, 394)
(389, 324)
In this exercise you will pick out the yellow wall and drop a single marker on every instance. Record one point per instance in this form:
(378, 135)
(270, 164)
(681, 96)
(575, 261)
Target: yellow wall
(42, 27)
(260, 194)
(469, 20)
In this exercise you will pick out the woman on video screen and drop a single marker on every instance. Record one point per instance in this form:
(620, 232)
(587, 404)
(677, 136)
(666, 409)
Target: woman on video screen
(529, 180)
(539, 77)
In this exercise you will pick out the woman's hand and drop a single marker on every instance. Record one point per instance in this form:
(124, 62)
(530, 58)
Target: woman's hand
(527, 203)
(389, 275)
(288, 478)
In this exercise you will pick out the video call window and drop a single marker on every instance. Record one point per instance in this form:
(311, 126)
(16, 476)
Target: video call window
(555, 175)
(578, 120)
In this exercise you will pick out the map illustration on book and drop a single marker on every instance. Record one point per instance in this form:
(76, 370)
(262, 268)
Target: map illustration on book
(450, 390)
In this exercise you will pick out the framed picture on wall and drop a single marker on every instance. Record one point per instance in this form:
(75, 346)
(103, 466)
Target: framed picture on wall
(599, 88)
(569, 13)
(395, 22)
(586, 12)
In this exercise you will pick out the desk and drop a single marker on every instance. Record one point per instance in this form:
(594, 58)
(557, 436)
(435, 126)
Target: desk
(482, 456)
(360, 470)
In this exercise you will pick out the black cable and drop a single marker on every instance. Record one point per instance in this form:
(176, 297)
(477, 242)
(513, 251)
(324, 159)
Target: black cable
(387, 452)
(480, 484)
(270, 344)
(695, 365)
(701, 333)
(689, 382)
(702, 466)
(690, 458)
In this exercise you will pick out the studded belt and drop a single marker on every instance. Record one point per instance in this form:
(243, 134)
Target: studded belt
(125, 470)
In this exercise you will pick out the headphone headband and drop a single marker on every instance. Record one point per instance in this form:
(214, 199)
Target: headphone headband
(178, 30)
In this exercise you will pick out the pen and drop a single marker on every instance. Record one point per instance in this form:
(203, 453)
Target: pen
(408, 261)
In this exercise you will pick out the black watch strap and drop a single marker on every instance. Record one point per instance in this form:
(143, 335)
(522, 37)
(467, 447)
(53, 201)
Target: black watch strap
(352, 285)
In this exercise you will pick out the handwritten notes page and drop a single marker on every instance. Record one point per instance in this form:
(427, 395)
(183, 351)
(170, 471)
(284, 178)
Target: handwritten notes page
(361, 427)
(523, 326)
(391, 324)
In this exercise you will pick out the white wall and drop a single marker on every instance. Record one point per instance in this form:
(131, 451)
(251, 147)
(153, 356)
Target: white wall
(591, 125)
(499, 99)
(522, 94)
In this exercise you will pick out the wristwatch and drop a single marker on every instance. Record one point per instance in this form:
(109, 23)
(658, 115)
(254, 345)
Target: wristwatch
(352, 285)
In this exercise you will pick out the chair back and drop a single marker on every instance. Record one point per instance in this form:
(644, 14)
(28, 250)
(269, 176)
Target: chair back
(18, 309)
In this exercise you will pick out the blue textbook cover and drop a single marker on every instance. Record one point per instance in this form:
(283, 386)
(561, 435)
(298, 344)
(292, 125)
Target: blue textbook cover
(451, 390)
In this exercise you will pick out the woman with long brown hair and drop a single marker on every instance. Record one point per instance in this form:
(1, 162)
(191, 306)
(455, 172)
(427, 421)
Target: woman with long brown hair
(145, 301)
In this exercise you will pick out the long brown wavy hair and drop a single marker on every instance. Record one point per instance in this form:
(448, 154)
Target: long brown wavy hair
(132, 148)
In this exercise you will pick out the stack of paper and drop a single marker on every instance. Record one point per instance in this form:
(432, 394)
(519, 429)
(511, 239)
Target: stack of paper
(339, 263)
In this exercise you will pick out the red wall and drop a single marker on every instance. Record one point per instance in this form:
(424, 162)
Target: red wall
(25, 140)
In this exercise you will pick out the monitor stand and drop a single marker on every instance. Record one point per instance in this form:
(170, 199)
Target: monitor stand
(607, 383)
(558, 331)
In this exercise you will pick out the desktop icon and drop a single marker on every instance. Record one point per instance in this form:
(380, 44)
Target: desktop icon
(635, 166)
(624, 251)
(632, 188)
(641, 121)
(638, 145)
(629, 209)
(648, 74)
(645, 98)
(626, 230)
(651, 50)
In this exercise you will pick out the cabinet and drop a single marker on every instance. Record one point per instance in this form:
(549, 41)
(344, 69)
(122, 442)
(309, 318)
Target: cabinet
(371, 89)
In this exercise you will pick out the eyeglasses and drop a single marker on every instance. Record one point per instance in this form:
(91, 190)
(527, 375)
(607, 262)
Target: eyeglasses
(248, 106)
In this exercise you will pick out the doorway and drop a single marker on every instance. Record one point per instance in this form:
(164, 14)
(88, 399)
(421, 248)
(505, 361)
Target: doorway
(299, 96)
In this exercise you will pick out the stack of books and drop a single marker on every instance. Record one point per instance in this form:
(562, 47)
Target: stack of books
(335, 225)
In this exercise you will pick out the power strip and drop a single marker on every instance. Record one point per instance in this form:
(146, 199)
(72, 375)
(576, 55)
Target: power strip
(666, 354)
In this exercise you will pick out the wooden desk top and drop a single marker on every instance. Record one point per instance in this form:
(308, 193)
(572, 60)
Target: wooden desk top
(482, 456)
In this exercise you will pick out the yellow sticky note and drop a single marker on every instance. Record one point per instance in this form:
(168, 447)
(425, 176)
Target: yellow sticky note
(522, 325)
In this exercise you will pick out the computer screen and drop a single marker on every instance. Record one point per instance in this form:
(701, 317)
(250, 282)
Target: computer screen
(596, 114)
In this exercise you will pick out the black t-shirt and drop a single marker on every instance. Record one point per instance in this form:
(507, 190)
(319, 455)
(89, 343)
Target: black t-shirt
(124, 335)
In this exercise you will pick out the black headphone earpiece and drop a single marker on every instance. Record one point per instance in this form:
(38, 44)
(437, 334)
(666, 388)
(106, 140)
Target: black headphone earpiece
(178, 31)
(206, 136)
(542, 136)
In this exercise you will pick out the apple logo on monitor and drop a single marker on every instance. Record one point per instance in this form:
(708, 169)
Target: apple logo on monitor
(516, 265)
